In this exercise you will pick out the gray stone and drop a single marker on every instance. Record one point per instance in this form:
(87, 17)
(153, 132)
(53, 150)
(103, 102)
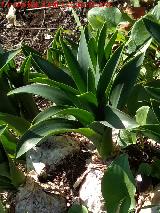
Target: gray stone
(90, 191)
(51, 153)
(32, 198)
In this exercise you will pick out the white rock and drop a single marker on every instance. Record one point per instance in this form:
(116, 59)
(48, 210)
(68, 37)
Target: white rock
(150, 210)
(32, 198)
(48, 36)
(11, 17)
(51, 153)
(90, 191)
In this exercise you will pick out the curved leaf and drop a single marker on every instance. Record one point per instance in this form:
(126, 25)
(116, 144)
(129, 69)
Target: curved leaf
(101, 44)
(99, 15)
(119, 176)
(88, 97)
(153, 28)
(139, 35)
(62, 86)
(6, 57)
(74, 67)
(83, 116)
(51, 93)
(17, 123)
(127, 78)
(108, 47)
(47, 113)
(83, 55)
(114, 118)
(41, 130)
(145, 115)
(108, 73)
(53, 72)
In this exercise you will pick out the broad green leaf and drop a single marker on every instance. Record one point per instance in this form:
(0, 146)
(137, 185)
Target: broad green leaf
(6, 57)
(117, 119)
(17, 123)
(99, 15)
(119, 176)
(154, 92)
(126, 138)
(145, 115)
(127, 77)
(81, 115)
(139, 35)
(53, 72)
(153, 28)
(77, 73)
(108, 73)
(41, 130)
(156, 11)
(51, 93)
(77, 208)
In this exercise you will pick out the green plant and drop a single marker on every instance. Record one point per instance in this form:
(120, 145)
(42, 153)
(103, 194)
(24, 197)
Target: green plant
(78, 208)
(91, 86)
(10, 176)
(84, 89)
(10, 78)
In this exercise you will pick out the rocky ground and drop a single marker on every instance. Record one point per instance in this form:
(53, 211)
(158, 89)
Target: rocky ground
(35, 28)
